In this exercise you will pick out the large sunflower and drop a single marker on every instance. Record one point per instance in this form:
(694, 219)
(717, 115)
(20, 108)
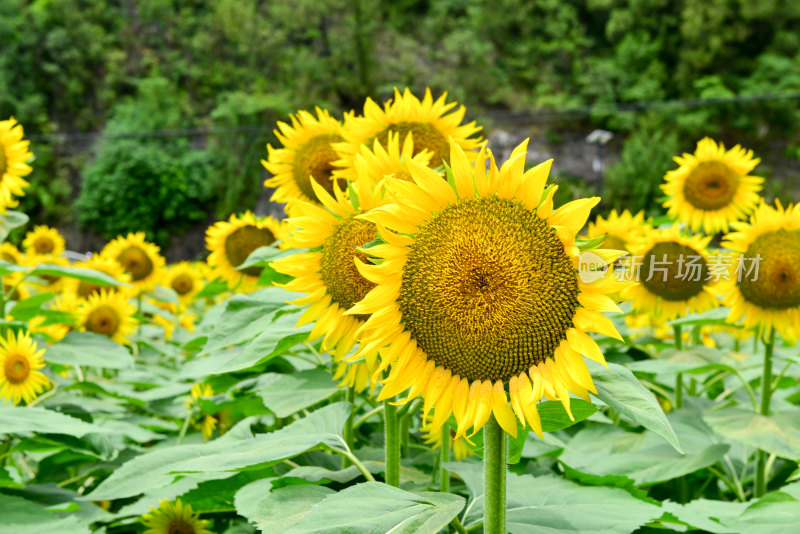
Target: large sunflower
(20, 378)
(232, 241)
(674, 275)
(477, 289)
(327, 273)
(108, 314)
(430, 122)
(43, 241)
(176, 518)
(763, 285)
(307, 152)
(140, 259)
(105, 265)
(712, 187)
(13, 155)
(620, 229)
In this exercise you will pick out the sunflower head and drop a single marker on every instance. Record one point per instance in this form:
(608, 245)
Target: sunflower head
(712, 187)
(43, 241)
(105, 265)
(377, 161)
(20, 361)
(139, 258)
(478, 290)
(10, 253)
(232, 241)
(430, 123)
(763, 280)
(459, 446)
(108, 314)
(14, 154)
(174, 518)
(185, 278)
(621, 230)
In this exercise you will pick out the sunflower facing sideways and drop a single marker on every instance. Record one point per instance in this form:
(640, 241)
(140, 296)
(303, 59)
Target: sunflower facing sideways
(232, 241)
(712, 187)
(377, 161)
(108, 314)
(176, 518)
(763, 287)
(139, 258)
(430, 122)
(13, 156)
(620, 229)
(327, 273)
(20, 378)
(477, 289)
(43, 241)
(307, 152)
(673, 271)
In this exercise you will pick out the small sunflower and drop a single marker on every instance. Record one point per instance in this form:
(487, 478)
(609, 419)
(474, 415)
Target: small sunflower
(209, 422)
(620, 229)
(140, 259)
(477, 288)
(377, 162)
(43, 241)
(763, 285)
(14, 154)
(185, 278)
(712, 187)
(430, 122)
(108, 314)
(333, 234)
(20, 378)
(232, 241)
(307, 152)
(674, 275)
(105, 265)
(459, 446)
(176, 518)
(11, 254)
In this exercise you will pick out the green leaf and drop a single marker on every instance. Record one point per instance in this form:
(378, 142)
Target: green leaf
(25, 419)
(8, 268)
(713, 316)
(706, 515)
(281, 509)
(777, 434)
(287, 394)
(373, 507)
(86, 275)
(21, 516)
(164, 294)
(617, 387)
(261, 256)
(554, 416)
(89, 349)
(212, 289)
(12, 219)
(591, 243)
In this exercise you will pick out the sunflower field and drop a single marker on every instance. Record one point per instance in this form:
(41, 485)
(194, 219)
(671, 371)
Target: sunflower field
(430, 342)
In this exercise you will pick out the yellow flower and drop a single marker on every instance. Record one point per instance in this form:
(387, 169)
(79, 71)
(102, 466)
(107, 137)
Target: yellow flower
(140, 259)
(430, 122)
(185, 278)
(174, 518)
(459, 446)
(10, 253)
(13, 156)
(763, 283)
(209, 422)
(67, 303)
(378, 162)
(477, 288)
(43, 241)
(105, 265)
(621, 230)
(712, 187)
(307, 152)
(232, 241)
(108, 314)
(327, 273)
(20, 378)
(673, 273)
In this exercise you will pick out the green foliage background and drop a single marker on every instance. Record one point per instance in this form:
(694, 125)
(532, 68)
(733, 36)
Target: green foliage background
(237, 66)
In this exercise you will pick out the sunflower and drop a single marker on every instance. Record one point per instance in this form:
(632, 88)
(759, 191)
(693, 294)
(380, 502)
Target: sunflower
(105, 265)
(202, 391)
(675, 275)
(477, 287)
(20, 378)
(763, 285)
(13, 155)
(232, 241)
(620, 229)
(140, 259)
(712, 187)
(43, 241)
(378, 161)
(10, 253)
(174, 518)
(307, 153)
(185, 278)
(430, 122)
(459, 446)
(327, 273)
(108, 314)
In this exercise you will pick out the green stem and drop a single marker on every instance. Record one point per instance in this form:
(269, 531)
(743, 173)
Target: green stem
(679, 378)
(494, 478)
(766, 395)
(352, 459)
(347, 434)
(444, 457)
(404, 423)
(392, 440)
(184, 428)
(457, 526)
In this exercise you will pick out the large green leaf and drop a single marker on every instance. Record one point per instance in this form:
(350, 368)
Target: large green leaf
(778, 433)
(617, 387)
(21, 516)
(25, 419)
(287, 394)
(554, 416)
(10, 220)
(775, 513)
(89, 349)
(281, 509)
(86, 275)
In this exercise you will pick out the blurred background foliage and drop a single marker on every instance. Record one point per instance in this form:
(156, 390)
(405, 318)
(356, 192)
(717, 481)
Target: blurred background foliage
(150, 114)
